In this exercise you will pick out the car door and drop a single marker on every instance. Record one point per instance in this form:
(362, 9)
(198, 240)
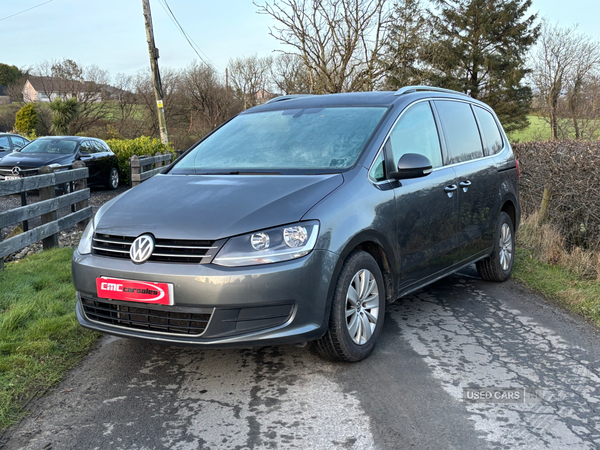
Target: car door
(103, 160)
(87, 153)
(477, 179)
(5, 147)
(426, 206)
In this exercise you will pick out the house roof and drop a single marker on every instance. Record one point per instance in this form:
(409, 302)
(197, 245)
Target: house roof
(51, 84)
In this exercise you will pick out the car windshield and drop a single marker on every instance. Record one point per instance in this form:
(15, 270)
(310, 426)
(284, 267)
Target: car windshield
(294, 140)
(57, 146)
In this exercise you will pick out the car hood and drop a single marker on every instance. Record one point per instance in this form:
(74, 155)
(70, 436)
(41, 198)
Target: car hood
(33, 159)
(211, 207)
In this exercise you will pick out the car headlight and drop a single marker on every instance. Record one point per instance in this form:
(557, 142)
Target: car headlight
(269, 246)
(85, 243)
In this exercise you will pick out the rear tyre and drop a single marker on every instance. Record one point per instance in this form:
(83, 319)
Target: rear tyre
(357, 311)
(113, 179)
(498, 266)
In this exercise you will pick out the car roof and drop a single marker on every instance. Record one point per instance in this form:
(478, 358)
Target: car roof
(374, 98)
(71, 138)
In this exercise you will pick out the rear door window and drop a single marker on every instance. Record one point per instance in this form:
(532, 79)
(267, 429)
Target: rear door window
(416, 132)
(492, 139)
(461, 131)
(88, 147)
(17, 141)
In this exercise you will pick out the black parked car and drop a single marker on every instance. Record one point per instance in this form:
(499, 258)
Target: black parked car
(62, 151)
(11, 143)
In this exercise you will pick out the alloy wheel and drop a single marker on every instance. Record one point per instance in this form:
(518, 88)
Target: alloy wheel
(362, 306)
(506, 247)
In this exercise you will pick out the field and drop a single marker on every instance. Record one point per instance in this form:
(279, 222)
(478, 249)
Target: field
(538, 130)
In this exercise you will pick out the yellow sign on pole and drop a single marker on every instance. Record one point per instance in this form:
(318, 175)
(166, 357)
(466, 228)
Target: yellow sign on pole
(159, 103)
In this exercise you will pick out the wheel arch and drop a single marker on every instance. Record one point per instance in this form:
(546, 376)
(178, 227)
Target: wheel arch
(510, 208)
(380, 249)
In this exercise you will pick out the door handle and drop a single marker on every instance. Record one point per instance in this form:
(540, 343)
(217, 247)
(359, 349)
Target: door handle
(465, 185)
(450, 190)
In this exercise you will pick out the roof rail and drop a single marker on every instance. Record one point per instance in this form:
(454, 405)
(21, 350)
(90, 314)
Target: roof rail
(286, 97)
(411, 89)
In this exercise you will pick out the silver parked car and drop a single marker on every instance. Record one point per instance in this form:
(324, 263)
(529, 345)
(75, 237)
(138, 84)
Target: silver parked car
(301, 220)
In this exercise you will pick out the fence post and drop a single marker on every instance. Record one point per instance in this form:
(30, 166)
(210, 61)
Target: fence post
(159, 163)
(47, 193)
(147, 167)
(134, 169)
(545, 202)
(78, 185)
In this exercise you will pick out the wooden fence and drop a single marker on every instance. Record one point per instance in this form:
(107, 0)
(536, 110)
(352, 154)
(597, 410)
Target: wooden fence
(47, 207)
(142, 168)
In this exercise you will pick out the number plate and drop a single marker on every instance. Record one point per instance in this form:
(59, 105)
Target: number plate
(12, 177)
(135, 291)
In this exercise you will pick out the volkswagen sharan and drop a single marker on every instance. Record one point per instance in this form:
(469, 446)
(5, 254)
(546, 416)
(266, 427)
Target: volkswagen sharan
(301, 219)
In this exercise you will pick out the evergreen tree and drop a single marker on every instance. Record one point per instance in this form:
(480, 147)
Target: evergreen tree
(405, 42)
(479, 47)
(9, 74)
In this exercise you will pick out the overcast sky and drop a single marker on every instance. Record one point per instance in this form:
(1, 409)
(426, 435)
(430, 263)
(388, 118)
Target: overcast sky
(110, 33)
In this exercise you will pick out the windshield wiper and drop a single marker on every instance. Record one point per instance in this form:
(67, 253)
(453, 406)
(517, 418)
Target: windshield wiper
(237, 172)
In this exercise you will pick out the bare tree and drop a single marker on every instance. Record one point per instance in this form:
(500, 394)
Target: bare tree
(122, 94)
(340, 41)
(176, 112)
(249, 75)
(290, 75)
(209, 103)
(562, 63)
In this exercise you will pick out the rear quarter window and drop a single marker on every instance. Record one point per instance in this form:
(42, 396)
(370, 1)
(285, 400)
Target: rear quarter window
(461, 131)
(492, 139)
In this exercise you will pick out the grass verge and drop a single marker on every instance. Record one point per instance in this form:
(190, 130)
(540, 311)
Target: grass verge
(570, 290)
(40, 339)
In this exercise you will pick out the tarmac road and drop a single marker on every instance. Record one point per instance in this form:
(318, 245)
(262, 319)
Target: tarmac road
(460, 332)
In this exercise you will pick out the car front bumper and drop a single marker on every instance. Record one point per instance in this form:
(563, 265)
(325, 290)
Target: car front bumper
(281, 303)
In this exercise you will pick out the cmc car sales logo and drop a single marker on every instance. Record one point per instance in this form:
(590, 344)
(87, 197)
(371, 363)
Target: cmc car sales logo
(135, 291)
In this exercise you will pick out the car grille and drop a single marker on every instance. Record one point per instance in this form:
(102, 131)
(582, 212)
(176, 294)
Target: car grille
(165, 250)
(144, 318)
(25, 170)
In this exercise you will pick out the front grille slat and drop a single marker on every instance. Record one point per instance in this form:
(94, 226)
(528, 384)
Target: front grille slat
(166, 250)
(145, 319)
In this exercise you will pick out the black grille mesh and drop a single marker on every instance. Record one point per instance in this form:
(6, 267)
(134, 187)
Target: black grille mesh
(141, 317)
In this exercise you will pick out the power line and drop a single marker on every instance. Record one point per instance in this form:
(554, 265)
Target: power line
(25, 10)
(187, 37)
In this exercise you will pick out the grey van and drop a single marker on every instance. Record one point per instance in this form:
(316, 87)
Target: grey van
(301, 220)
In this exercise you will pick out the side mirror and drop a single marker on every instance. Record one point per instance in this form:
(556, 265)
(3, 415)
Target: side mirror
(412, 165)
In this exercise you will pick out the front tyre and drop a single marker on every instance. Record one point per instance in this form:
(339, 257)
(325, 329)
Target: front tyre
(357, 311)
(498, 266)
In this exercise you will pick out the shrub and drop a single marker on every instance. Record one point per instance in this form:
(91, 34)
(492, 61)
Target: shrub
(142, 146)
(26, 119)
(571, 172)
(64, 112)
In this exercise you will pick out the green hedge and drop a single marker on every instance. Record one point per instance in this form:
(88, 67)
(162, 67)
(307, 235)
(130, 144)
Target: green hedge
(126, 148)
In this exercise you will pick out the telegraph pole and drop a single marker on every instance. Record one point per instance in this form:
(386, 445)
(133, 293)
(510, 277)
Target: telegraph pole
(158, 91)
